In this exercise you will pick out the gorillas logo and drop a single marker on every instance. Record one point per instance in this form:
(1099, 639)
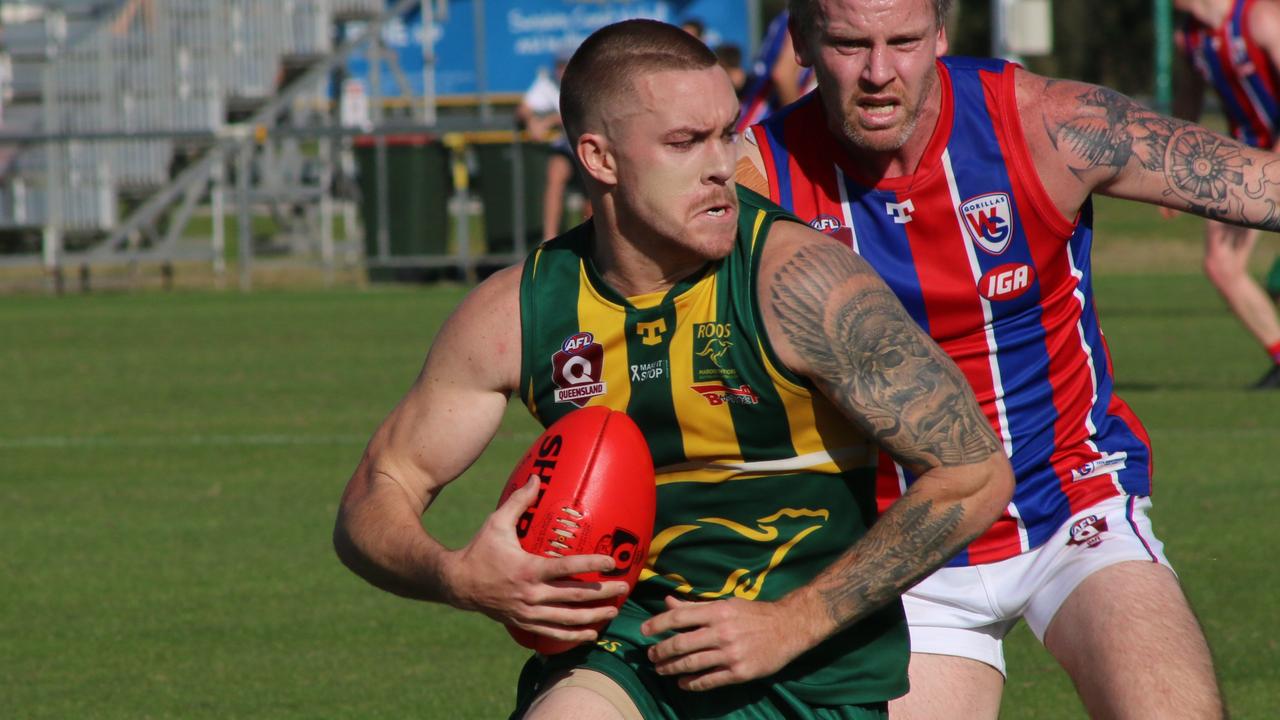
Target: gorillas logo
(989, 221)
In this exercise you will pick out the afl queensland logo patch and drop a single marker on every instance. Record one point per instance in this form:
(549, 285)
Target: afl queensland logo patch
(576, 368)
(989, 221)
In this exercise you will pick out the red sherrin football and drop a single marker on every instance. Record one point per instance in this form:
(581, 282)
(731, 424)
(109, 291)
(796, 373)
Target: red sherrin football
(597, 496)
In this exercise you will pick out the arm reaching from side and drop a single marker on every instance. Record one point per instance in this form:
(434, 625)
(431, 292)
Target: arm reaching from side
(436, 431)
(1085, 138)
(832, 319)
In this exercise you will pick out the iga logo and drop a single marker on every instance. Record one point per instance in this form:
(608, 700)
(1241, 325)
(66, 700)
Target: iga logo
(989, 221)
(1006, 282)
(576, 369)
(1088, 531)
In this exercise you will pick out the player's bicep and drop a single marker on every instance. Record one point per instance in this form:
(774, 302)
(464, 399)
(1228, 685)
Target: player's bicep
(455, 405)
(831, 318)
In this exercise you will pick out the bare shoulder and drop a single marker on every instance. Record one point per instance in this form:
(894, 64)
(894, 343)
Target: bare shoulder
(1264, 22)
(750, 171)
(482, 336)
(830, 317)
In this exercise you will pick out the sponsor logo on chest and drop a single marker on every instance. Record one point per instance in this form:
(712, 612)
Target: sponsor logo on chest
(576, 369)
(989, 221)
(1006, 282)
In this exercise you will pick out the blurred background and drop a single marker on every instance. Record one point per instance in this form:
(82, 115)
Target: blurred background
(214, 142)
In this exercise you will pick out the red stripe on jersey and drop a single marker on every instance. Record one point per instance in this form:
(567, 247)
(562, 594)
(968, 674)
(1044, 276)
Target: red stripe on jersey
(1048, 237)
(766, 157)
(1001, 542)
(1231, 71)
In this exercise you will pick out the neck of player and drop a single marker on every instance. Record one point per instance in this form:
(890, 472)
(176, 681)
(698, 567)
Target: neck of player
(637, 261)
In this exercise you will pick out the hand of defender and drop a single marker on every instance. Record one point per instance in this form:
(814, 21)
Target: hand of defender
(721, 642)
(495, 576)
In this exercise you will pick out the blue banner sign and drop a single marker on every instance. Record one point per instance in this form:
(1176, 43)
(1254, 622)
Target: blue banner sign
(518, 37)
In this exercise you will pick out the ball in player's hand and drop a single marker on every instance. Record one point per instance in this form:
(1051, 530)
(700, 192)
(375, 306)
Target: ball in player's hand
(596, 496)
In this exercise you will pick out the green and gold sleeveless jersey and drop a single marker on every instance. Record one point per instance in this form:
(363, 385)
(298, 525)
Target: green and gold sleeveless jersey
(762, 483)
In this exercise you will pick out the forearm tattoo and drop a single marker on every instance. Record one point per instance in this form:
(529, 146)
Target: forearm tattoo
(1210, 174)
(907, 543)
(872, 359)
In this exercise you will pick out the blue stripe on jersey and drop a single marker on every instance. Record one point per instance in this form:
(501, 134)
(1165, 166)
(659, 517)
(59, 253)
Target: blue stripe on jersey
(1017, 324)
(1226, 93)
(883, 243)
(1112, 433)
(1255, 88)
(773, 127)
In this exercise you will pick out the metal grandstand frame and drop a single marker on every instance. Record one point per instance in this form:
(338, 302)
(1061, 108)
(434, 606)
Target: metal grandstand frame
(99, 141)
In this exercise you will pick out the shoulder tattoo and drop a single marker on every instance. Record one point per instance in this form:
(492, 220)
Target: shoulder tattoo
(875, 362)
(1210, 174)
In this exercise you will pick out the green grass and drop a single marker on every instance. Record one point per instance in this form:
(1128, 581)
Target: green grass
(170, 464)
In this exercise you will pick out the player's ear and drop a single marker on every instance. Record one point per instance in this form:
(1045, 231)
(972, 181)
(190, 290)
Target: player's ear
(799, 43)
(941, 48)
(596, 159)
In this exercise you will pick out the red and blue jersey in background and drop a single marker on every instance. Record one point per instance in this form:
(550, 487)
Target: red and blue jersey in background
(759, 97)
(983, 260)
(1229, 59)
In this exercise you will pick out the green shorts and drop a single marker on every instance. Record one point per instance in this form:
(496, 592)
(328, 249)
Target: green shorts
(659, 698)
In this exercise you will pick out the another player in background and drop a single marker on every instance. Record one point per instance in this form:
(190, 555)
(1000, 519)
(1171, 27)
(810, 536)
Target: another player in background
(775, 79)
(539, 111)
(966, 183)
(1234, 46)
(763, 362)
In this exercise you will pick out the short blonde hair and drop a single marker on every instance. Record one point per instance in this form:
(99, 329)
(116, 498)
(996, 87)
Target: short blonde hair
(602, 70)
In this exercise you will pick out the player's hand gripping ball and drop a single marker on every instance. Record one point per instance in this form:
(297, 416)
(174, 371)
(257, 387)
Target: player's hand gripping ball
(597, 496)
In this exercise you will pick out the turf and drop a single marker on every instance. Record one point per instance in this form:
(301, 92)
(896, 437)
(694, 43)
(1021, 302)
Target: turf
(170, 464)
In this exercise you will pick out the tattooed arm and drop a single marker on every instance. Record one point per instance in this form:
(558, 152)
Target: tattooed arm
(830, 318)
(1084, 138)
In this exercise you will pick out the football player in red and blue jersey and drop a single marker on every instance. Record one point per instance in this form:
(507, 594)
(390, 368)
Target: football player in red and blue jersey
(1234, 47)
(966, 183)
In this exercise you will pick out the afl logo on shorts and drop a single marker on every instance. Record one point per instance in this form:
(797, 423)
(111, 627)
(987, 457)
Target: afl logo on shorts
(576, 368)
(1088, 531)
(989, 221)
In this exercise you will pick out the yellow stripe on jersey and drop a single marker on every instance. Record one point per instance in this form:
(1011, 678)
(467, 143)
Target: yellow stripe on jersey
(528, 388)
(608, 322)
(707, 430)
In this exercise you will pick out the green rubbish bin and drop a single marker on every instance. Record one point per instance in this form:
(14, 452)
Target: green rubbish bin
(496, 163)
(417, 185)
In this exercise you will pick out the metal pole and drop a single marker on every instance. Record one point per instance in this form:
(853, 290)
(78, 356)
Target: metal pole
(52, 233)
(482, 71)
(217, 199)
(380, 147)
(245, 248)
(517, 196)
(428, 63)
(1164, 55)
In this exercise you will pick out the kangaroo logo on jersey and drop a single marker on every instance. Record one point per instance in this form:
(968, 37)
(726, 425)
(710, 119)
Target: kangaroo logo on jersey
(989, 221)
(576, 368)
(773, 537)
(715, 350)
(1007, 281)
(1088, 531)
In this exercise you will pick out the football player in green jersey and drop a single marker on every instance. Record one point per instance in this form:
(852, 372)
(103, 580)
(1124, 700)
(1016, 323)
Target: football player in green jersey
(807, 337)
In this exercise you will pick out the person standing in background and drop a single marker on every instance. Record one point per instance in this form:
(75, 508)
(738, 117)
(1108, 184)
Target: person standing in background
(1234, 47)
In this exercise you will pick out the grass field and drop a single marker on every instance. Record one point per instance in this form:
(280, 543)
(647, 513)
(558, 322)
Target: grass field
(170, 464)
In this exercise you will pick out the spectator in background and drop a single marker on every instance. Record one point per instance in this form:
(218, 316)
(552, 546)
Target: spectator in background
(1234, 46)
(729, 56)
(776, 79)
(695, 27)
(539, 113)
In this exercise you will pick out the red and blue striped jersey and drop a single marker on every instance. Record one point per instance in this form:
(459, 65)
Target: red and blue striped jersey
(759, 97)
(1230, 60)
(984, 261)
